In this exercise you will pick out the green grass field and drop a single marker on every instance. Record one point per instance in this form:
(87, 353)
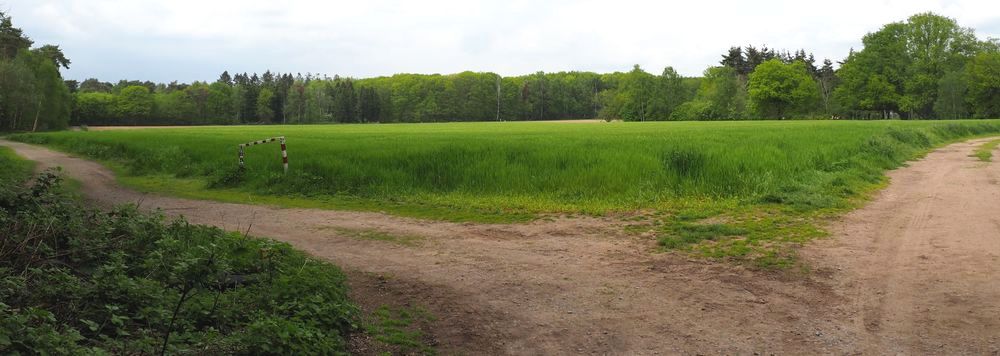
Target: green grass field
(759, 179)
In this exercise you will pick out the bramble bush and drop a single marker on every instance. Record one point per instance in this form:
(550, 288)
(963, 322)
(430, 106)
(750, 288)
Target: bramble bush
(79, 281)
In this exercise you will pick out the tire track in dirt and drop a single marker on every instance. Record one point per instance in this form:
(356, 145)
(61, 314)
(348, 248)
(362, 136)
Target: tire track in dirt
(921, 262)
(582, 286)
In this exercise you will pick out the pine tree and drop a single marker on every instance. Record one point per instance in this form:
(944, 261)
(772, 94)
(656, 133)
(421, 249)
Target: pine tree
(225, 79)
(12, 39)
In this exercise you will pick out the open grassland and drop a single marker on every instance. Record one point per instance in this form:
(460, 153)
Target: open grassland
(726, 189)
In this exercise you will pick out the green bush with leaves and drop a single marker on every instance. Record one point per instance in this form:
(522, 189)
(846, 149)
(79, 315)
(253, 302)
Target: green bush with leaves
(80, 281)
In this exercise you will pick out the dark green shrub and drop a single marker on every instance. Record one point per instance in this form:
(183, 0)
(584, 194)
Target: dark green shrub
(81, 281)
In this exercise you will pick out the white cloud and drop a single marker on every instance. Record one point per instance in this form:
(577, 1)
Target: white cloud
(195, 40)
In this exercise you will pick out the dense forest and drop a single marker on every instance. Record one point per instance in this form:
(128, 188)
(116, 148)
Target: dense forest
(927, 67)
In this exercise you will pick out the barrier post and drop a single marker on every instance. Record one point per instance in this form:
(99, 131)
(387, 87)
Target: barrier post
(284, 154)
(241, 156)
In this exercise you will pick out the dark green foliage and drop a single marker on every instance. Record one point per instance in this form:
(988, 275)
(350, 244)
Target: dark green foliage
(12, 39)
(983, 75)
(910, 69)
(80, 281)
(684, 162)
(33, 95)
(906, 69)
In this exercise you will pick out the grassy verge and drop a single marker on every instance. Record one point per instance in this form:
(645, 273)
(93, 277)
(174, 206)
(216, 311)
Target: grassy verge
(764, 236)
(985, 151)
(13, 168)
(195, 188)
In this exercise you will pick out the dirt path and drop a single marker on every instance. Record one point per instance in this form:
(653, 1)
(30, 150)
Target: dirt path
(900, 276)
(921, 263)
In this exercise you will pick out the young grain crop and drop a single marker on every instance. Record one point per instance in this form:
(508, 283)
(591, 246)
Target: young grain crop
(789, 172)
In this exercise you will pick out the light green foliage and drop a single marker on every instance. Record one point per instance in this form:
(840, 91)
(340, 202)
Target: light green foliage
(720, 96)
(295, 108)
(219, 104)
(317, 102)
(636, 95)
(671, 92)
(264, 112)
(641, 96)
(134, 102)
(778, 90)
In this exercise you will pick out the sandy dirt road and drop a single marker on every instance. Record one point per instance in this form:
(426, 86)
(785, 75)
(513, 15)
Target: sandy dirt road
(920, 264)
(914, 272)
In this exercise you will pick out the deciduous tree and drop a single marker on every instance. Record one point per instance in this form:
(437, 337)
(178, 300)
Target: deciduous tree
(779, 90)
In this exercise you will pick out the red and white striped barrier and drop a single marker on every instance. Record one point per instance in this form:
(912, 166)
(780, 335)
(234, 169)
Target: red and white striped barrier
(280, 139)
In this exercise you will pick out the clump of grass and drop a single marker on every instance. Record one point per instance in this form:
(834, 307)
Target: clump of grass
(397, 328)
(688, 234)
(376, 235)
(985, 151)
(684, 162)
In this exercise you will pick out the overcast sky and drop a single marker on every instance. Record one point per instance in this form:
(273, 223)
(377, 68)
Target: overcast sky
(190, 40)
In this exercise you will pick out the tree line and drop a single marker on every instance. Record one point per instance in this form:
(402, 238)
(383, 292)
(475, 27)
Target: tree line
(926, 67)
(291, 99)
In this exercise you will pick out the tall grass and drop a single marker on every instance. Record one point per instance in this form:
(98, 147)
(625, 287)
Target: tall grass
(536, 167)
